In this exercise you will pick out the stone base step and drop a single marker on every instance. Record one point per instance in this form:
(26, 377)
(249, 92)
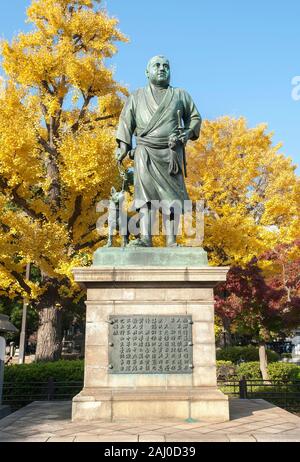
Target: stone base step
(150, 404)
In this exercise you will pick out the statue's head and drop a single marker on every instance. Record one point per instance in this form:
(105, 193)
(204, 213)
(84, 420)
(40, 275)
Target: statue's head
(158, 71)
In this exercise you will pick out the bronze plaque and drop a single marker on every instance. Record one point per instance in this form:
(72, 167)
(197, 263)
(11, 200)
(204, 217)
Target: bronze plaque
(150, 344)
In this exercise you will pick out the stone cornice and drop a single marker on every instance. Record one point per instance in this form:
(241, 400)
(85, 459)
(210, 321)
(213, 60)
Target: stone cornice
(207, 276)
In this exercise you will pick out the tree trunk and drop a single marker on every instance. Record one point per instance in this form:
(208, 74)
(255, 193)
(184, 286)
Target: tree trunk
(49, 334)
(226, 340)
(263, 361)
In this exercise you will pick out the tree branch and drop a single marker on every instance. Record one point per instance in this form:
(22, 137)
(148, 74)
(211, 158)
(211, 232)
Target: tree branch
(99, 119)
(20, 201)
(52, 151)
(88, 245)
(47, 88)
(56, 119)
(91, 228)
(4, 227)
(18, 278)
(76, 213)
(82, 45)
(23, 205)
(82, 113)
(52, 171)
(44, 110)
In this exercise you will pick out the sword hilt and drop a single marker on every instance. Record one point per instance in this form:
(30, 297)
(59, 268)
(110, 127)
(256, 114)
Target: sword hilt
(181, 130)
(179, 119)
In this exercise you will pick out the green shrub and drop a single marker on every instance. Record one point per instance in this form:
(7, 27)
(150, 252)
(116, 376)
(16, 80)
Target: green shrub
(284, 371)
(25, 383)
(244, 353)
(277, 371)
(249, 370)
(225, 370)
(64, 371)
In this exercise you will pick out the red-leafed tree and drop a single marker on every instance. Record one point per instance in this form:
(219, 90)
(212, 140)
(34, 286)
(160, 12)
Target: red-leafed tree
(284, 268)
(258, 306)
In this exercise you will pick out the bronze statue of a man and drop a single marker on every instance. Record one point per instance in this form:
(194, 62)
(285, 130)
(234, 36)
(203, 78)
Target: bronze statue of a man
(152, 114)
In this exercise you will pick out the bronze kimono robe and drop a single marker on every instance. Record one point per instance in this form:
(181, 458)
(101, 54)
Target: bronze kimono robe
(152, 126)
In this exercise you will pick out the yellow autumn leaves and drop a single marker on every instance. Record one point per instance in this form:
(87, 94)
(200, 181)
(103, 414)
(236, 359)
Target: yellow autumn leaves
(69, 40)
(250, 189)
(59, 107)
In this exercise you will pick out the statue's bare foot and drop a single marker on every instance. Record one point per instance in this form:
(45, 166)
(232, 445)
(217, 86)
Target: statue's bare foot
(140, 243)
(171, 242)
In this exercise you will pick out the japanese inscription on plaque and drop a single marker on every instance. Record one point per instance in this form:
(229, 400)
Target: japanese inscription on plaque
(150, 344)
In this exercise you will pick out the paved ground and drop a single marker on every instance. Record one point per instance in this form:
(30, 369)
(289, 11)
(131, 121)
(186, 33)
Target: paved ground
(251, 421)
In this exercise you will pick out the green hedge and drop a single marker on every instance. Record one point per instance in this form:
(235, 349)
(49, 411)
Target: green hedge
(249, 370)
(64, 371)
(277, 371)
(284, 371)
(248, 353)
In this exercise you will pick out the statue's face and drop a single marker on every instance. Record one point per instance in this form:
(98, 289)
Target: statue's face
(158, 71)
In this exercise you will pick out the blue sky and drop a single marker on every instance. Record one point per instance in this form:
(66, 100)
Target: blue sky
(233, 57)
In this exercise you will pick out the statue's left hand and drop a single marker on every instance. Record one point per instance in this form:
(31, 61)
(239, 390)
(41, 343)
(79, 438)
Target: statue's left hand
(184, 136)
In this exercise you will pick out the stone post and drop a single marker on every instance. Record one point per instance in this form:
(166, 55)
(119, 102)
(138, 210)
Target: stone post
(5, 326)
(2, 362)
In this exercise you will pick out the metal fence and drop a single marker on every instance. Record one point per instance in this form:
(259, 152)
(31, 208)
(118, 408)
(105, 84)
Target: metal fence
(282, 393)
(285, 394)
(18, 394)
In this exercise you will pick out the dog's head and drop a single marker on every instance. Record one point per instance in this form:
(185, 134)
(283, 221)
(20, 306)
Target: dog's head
(116, 196)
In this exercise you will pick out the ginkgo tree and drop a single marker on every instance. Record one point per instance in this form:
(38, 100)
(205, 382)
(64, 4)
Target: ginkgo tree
(250, 190)
(58, 108)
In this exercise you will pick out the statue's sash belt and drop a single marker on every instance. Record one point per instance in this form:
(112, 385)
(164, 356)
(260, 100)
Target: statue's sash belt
(154, 143)
(162, 143)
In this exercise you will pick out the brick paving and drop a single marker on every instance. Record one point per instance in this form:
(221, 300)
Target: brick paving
(251, 421)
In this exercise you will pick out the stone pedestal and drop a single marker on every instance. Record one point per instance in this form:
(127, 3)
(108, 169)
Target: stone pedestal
(150, 290)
